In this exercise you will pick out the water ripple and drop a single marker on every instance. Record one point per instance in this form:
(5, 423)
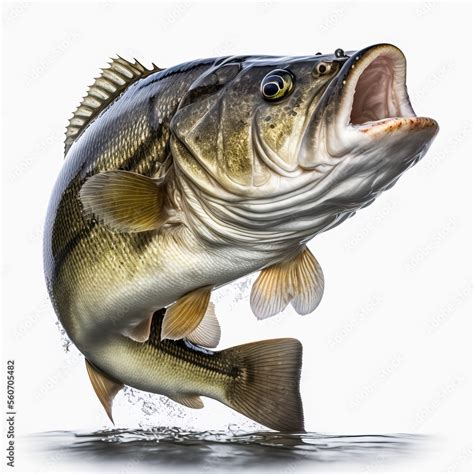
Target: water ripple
(177, 449)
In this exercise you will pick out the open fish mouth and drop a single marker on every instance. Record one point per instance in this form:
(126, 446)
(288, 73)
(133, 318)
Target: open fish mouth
(374, 96)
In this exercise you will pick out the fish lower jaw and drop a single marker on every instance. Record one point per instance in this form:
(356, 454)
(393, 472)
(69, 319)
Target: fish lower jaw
(396, 124)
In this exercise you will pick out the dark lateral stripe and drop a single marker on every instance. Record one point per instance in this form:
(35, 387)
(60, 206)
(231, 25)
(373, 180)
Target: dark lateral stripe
(141, 153)
(209, 360)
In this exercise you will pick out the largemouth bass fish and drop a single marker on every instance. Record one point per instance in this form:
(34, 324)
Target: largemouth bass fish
(178, 181)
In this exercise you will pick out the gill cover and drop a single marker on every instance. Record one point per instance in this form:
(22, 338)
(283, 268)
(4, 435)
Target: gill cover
(211, 127)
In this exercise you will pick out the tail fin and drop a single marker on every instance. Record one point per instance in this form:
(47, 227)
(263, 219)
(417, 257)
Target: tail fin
(266, 385)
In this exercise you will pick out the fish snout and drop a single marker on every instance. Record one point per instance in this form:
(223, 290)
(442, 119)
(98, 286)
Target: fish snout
(371, 102)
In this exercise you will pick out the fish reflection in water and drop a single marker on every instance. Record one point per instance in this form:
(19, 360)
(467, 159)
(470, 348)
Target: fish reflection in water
(175, 448)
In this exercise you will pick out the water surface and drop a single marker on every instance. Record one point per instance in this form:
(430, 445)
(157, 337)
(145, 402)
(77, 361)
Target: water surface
(178, 450)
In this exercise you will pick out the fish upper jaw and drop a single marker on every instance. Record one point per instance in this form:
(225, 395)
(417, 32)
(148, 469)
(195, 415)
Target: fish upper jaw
(370, 103)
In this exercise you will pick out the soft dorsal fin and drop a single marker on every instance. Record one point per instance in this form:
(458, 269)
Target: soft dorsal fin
(104, 386)
(140, 332)
(106, 88)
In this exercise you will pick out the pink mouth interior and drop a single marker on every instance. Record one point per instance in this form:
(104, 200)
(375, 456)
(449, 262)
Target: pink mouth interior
(380, 92)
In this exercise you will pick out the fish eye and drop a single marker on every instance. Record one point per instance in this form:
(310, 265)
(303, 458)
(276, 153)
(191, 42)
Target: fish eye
(322, 68)
(277, 84)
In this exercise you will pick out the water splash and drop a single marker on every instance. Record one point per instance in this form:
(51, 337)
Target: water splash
(233, 293)
(153, 407)
(157, 410)
(65, 341)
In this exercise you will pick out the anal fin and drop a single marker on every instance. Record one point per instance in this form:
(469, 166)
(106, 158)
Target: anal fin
(185, 315)
(208, 333)
(188, 400)
(105, 387)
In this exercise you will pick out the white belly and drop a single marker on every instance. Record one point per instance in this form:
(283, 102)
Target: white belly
(163, 275)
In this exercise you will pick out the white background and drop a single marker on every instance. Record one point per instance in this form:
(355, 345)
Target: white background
(388, 349)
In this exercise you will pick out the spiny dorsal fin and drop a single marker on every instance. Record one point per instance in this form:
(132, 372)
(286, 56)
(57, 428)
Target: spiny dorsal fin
(106, 88)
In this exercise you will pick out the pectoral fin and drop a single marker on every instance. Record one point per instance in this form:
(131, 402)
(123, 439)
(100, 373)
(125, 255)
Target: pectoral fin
(124, 201)
(141, 332)
(184, 316)
(105, 387)
(208, 333)
(190, 401)
(299, 281)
